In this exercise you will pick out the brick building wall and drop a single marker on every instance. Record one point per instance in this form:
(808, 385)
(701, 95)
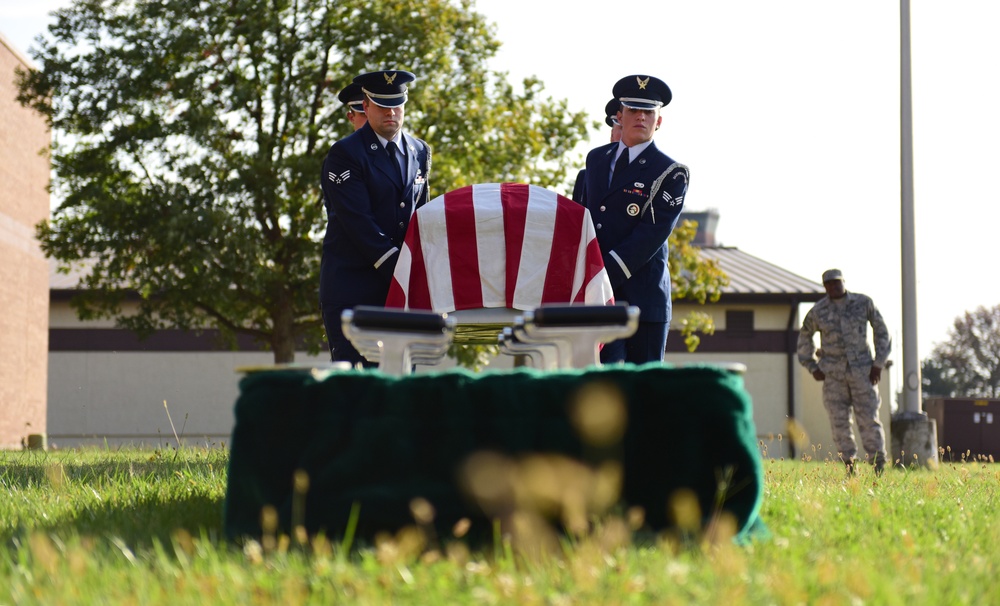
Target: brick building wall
(24, 273)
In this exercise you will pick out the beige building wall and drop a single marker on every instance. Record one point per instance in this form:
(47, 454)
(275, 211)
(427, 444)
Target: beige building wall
(117, 398)
(766, 317)
(132, 397)
(766, 380)
(24, 274)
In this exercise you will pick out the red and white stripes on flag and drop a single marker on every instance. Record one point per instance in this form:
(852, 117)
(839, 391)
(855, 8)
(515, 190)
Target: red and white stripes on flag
(499, 245)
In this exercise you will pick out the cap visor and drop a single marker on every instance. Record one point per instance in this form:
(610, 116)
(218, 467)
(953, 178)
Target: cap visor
(641, 104)
(383, 102)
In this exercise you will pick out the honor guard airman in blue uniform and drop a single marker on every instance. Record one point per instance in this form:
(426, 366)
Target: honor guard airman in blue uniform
(373, 180)
(635, 194)
(353, 99)
(611, 119)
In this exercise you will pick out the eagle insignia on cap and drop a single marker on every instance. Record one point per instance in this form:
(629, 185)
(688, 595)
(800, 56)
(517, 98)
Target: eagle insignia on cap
(642, 83)
(338, 179)
(389, 79)
(632, 209)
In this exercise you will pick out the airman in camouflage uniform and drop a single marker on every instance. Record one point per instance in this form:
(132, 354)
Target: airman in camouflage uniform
(845, 364)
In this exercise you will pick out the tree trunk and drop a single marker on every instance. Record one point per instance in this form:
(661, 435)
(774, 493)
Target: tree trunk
(283, 335)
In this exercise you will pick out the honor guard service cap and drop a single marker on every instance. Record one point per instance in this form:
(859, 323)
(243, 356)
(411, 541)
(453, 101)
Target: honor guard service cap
(352, 96)
(832, 274)
(611, 112)
(641, 92)
(386, 88)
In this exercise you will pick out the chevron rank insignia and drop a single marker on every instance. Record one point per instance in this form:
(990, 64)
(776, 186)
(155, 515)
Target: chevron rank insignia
(338, 179)
(672, 201)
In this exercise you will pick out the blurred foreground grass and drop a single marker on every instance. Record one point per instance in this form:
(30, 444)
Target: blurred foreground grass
(144, 527)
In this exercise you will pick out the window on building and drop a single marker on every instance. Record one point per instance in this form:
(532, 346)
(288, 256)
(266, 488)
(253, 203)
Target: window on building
(739, 323)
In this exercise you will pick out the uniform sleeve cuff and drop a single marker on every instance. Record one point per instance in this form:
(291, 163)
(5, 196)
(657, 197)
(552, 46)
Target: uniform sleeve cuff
(382, 260)
(621, 264)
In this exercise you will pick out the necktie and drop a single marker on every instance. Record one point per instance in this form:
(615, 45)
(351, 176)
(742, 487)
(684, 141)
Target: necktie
(620, 165)
(393, 151)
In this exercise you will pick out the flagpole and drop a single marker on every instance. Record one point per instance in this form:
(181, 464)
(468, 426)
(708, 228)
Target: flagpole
(914, 435)
(911, 358)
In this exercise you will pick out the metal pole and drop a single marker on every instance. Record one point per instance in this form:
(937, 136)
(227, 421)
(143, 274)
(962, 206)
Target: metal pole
(911, 359)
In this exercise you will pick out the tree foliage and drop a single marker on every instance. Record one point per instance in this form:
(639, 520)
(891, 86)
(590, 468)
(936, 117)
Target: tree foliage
(937, 380)
(190, 137)
(967, 364)
(193, 134)
(695, 279)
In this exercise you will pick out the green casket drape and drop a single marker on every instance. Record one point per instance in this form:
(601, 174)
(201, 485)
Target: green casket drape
(378, 441)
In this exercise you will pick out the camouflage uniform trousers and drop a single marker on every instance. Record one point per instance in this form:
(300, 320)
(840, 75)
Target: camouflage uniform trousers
(847, 390)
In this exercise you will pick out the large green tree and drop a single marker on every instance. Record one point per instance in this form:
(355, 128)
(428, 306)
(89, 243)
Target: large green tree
(190, 136)
(967, 365)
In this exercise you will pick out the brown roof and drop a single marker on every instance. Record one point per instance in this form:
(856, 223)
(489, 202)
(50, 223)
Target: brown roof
(754, 280)
(750, 279)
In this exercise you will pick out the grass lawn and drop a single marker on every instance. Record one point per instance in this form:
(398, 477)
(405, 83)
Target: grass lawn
(144, 527)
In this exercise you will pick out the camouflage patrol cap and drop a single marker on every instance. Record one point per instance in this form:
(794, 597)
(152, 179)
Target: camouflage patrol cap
(832, 274)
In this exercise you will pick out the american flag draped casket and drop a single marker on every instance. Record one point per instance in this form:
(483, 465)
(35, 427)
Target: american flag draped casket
(499, 245)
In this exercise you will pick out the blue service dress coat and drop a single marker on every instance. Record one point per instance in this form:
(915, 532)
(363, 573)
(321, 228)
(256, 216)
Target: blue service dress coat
(580, 187)
(368, 208)
(633, 218)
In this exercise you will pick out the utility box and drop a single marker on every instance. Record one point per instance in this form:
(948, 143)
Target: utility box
(967, 428)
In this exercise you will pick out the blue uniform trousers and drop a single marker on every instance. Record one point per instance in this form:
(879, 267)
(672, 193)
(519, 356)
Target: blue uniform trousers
(646, 345)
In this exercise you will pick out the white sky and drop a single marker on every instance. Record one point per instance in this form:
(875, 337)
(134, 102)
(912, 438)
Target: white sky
(787, 113)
